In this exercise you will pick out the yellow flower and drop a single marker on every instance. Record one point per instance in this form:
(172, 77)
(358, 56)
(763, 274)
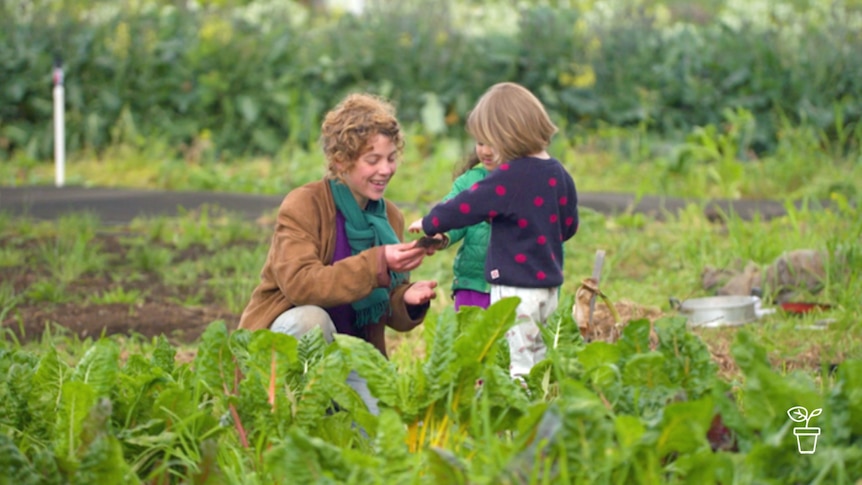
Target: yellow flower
(581, 76)
(404, 40)
(585, 77)
(216, 29)
(119, 45)
(594, 45)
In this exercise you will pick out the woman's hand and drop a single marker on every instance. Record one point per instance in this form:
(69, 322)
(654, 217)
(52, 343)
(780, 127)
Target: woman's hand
(420, 292)
(415, 226)
(404, 256)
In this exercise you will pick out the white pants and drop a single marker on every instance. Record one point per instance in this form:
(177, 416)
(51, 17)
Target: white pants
(526, 347)
(300, 320)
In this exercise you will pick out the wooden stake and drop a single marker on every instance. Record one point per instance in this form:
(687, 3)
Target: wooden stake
(597, 275)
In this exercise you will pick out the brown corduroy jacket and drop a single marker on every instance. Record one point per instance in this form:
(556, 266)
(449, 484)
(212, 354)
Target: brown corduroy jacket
(299, 270)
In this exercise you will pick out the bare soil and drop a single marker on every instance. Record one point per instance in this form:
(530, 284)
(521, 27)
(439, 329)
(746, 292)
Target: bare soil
(160, 310)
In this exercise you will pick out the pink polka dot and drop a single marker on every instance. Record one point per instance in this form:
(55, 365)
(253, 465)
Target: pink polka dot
(541, 240)
(553, 218)
(520, 258)
(492, 214)
(538, 201)
(435, 221)
(570, 221)
(465, 208)
(552, 182)
(522, 223)
(564, 200)
(474, 187)
(500, 190)
(541, 275)
(504, 167)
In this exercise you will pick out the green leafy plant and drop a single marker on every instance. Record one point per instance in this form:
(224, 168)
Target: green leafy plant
(8, 299)
(662, 66)
(265, 400)
(118, 295)
(10, 257)
(148, 257)
(68, 260)
(48, 292)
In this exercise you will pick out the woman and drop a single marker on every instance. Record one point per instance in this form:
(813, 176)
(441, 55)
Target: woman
(336, 260)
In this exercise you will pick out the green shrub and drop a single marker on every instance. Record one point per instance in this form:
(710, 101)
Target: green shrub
(232, 78)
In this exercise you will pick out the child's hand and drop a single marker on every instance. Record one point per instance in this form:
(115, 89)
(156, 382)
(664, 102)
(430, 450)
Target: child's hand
(416, 226)
(432, 243)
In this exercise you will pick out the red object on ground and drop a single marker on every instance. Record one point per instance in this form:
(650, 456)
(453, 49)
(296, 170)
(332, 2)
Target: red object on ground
(803, 307)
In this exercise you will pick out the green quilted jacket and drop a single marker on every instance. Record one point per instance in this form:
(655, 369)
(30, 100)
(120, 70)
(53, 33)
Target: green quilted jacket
(469, 267)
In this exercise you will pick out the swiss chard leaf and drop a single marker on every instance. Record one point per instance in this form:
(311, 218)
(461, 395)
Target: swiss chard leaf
(215, 366)
(684, 425)
(766, 395)
(77, 399)
(101, 455)
(370, 364)
(391, 446)
(476, 344)
(846, 401)
(164, 354)
(441, 366)
(14, 466)
(99, 367)
(688, 361)
(304, 459)
(47, 385)
(326, 375)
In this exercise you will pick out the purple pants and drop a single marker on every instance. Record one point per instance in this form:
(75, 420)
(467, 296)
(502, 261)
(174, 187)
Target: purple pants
(472, 298)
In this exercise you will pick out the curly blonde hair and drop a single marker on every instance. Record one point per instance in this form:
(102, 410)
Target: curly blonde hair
(348, 129)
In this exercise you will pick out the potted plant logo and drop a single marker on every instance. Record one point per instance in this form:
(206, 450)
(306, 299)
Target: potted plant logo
(806, 437)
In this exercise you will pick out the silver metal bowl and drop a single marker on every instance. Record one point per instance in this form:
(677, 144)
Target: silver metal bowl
(719, 311)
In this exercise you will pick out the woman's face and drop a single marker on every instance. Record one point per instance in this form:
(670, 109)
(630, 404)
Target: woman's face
(487, 156)
(372, 171)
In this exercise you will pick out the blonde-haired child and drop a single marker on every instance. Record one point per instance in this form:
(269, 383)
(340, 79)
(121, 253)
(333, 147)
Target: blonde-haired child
(531, 203)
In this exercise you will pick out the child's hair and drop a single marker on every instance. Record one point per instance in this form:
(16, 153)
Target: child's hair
(511, 119)
(348, 128)
(471, 161)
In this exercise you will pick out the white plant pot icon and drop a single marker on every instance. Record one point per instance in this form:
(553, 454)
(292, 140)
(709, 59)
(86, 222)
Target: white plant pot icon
(806, 437)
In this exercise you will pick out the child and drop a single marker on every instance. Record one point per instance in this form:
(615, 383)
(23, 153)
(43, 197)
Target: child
(469, 287)
(532, 206)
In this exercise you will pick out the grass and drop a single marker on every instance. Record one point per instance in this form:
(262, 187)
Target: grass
(118, 295)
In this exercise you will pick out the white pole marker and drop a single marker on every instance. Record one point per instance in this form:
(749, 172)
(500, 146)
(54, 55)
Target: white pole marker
(59, 125)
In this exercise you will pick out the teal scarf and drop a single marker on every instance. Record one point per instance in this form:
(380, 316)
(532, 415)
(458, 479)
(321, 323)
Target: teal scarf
(365, 229)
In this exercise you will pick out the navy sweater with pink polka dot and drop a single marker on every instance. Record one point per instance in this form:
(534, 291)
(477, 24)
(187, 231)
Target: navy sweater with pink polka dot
(532, 206)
